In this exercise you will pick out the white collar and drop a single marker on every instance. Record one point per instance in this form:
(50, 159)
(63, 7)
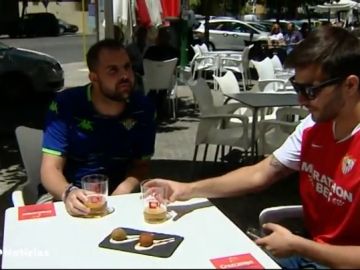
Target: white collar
(356, 129)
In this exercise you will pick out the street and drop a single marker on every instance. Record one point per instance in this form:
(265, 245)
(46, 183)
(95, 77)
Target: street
(66, 49)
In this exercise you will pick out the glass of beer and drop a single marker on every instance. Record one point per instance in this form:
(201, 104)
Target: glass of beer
(155, 205)
(97, 186)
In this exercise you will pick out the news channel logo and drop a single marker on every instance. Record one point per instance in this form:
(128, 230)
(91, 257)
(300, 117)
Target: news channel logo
(24, 252)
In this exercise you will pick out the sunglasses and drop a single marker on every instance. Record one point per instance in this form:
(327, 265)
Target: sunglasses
(310, 91)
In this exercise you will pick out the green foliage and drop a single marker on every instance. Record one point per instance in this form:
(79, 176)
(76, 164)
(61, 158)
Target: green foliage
(194, 3)
(246, 9)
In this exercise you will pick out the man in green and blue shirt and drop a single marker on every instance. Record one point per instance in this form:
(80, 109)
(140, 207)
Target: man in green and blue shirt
(105, 127)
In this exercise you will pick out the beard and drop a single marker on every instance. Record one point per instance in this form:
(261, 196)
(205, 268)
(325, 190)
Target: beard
(333, 107)
(116, 94)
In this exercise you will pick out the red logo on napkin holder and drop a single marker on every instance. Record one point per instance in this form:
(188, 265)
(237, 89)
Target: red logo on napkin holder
(153, 204)
(36, 211)
(242, 261)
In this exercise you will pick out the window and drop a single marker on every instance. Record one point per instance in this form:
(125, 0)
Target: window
(241, 28)
(261, 27)
(227, 26)
(215, 26)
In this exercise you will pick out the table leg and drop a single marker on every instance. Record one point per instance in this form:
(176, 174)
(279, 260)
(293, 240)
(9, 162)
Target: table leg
(253, 133)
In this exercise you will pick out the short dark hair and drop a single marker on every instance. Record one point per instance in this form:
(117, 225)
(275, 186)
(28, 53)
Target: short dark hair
(334, 49)
(92, 56)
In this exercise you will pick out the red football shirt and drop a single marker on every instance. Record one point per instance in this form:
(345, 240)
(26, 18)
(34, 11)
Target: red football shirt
(330, 185)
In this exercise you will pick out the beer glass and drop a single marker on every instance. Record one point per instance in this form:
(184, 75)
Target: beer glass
(97, 187)
(154, 204)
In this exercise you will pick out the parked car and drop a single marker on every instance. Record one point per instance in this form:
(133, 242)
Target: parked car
(262, 26)
(28, 81)
(65, 27)
(40, 24)
(32, 25)
(23, 72)
(229, 34)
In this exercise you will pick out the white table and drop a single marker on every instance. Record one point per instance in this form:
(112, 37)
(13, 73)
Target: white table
(67, 242)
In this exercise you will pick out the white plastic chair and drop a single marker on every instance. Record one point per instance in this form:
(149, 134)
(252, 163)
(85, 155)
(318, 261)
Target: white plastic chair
(30, 143)
(196, 49)
(203, 48)
(202, 62)
(274, 132)
(160, 76)
(245, 63)
(280, 73)
(267, 81)
(276, 63)
(238, 65)
(278, 213)
(228, 84)
(214, 127)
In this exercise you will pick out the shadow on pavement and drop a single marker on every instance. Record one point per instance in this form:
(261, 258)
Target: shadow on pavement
(28, 111)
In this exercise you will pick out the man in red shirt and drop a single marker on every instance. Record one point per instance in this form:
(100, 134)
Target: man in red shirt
(325, 149)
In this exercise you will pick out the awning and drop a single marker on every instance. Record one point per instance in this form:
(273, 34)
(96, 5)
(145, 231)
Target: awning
(342, 5)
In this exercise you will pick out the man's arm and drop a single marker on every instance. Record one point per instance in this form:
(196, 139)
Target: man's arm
(282, 243)
(136, 174)
(330, 255)
(284, 161)
(54, 181)
(55, 142)
(52, 176)
(241, 181)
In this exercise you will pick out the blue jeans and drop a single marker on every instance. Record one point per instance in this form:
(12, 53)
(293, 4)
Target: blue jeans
(297, 262)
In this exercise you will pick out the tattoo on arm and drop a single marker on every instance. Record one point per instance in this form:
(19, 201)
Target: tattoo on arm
(276, 163)
(281, 169)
